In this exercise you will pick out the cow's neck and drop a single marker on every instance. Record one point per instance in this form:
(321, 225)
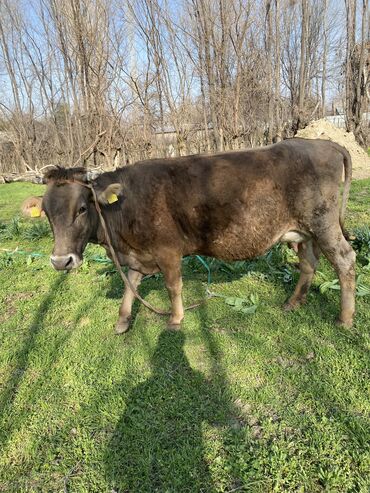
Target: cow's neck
(120, 242)
(98, 235)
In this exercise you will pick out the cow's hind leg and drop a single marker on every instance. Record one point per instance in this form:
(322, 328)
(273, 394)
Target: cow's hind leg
(127, 301)
(341, 255)
(308, 254)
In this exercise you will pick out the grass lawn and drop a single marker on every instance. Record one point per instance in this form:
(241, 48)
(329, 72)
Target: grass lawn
(235, 402)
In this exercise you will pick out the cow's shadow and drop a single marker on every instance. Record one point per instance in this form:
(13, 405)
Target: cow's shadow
(157, 444)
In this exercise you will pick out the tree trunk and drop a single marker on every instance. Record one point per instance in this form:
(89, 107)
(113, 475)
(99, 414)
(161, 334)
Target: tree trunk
(277, 72)
(351, 30)
(269, 58)
(302, 65)
(324, 59)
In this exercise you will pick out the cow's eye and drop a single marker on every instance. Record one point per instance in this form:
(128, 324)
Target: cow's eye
(81, 210)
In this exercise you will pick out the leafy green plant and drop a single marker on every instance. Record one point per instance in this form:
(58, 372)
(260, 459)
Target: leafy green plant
(11, 230)
(38, 230)
(16, 229)
(6, 260)
(332, 284)
(260, 276)
(327, 283)
(361, 288)
(245, 305)
(215, 266)
(361, 241)
(366, 259)
(231, 267)
(283, 273)
(277, 260)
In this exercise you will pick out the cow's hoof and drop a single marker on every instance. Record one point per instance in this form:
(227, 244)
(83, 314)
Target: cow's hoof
(173, 327)
(122, 327)
(293, 305)
(347, 324)
(288, 307)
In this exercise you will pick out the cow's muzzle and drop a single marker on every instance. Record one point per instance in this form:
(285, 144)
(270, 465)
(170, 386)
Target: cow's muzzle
(65, 262)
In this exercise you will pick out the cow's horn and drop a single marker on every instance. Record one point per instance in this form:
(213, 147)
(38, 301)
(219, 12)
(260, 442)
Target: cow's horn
(92, 174)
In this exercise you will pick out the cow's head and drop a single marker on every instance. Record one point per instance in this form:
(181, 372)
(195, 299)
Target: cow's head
(72, 215)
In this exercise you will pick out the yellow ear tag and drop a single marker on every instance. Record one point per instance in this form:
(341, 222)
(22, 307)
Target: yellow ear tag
(112, 198)
(35, 211)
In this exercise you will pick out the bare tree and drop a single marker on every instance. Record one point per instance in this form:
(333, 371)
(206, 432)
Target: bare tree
(357, 68)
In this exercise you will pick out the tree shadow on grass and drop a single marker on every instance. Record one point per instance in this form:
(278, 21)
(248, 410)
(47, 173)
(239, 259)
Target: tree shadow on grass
(10, 422)
(43, 391)
(21, 356)
(157, 444)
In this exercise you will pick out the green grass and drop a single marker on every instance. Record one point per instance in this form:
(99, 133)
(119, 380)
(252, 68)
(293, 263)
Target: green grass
(358, 212)
(270, 402)
(12, 196)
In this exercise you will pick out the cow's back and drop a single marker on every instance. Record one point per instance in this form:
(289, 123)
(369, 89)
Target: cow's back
(231, 205)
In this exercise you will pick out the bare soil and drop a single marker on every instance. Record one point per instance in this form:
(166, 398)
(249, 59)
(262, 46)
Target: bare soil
(322, 129)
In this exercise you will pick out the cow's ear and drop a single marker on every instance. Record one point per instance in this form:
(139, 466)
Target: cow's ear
(110, 194)
(32, 207)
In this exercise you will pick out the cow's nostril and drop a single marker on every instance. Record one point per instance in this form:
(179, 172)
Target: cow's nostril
(69, 263)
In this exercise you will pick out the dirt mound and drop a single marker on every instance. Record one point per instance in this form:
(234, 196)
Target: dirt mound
(322, 129)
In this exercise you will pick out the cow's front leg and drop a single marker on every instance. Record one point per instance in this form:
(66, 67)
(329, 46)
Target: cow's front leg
(127, 301)
(173, 280)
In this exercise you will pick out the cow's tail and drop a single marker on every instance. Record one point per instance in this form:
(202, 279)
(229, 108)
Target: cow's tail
(347, 162)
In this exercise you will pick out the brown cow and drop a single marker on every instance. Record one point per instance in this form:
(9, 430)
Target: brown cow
(232, 206)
